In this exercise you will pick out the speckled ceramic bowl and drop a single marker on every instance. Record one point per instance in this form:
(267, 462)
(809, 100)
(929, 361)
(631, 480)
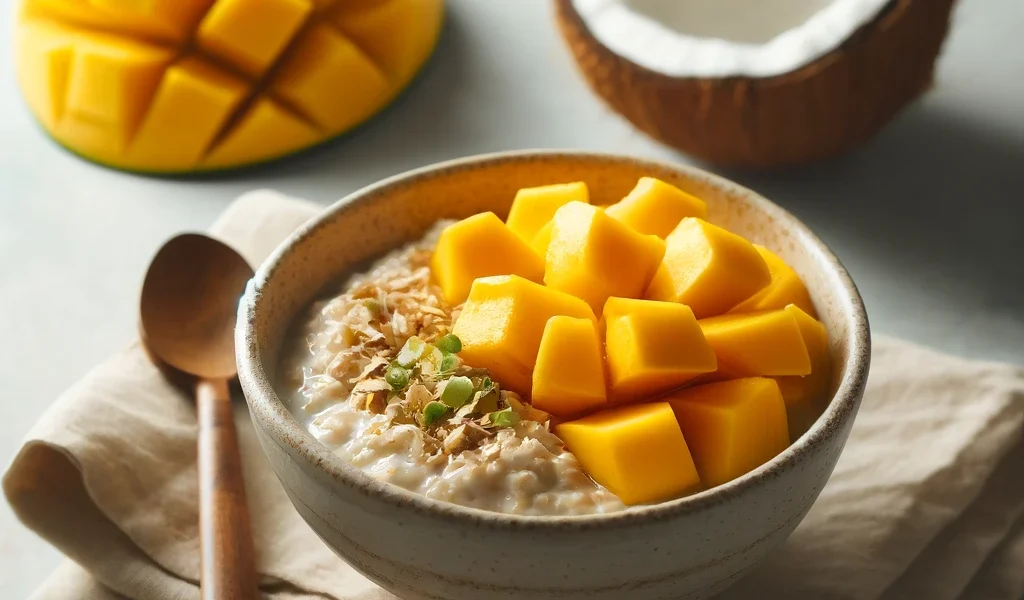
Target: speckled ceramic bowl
(424, 549)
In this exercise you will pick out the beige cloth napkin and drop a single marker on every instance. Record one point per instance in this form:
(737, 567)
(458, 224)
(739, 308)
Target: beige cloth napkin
(927, 501)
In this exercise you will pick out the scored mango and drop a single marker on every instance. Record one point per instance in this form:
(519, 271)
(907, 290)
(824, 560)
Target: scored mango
(755, 344)
(708, 268)
(502, 323)
(533, 208)
(480, 246)
(807, 396)
(638, 452)
(654, 207)
(652, 347)
(785, 288)
(175, 86)
(568, 379)
(731, 427)
(592, 256)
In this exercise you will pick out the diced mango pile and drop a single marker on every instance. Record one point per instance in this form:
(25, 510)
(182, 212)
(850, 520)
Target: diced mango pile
(673, 354)
(192, 85)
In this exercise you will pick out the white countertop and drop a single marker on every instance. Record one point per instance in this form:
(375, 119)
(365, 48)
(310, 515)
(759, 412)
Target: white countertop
(928, 216)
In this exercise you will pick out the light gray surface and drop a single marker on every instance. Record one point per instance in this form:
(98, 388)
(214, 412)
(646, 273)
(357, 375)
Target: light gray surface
(928, 216)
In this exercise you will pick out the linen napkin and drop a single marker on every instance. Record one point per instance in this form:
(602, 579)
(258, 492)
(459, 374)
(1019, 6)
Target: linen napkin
(927, 500)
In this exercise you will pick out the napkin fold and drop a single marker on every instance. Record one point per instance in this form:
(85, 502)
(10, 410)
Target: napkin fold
(927, 500)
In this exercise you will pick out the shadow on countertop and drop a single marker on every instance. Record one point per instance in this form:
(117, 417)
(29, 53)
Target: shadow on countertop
(934, 195)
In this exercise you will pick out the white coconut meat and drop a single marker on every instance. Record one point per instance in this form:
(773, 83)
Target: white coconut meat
(724, 38)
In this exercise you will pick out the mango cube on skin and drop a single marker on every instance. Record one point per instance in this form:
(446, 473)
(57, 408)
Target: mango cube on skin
(638, 452)
(731, 427)
(786, 288)
(568, 379)
(502, 323)
(655, 207)
(652, 347)
(592, 256)
(536, 206)
(766, 343)
(708, 268)
(806, 396)
(480, 246)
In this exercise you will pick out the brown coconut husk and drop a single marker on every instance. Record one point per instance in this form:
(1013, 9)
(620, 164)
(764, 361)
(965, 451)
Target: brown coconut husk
(815, 112)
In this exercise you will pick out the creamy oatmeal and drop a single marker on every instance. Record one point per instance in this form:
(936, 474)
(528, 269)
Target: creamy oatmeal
(384, 404)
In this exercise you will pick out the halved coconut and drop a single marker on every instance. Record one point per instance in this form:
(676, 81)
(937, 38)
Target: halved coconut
(757, 83)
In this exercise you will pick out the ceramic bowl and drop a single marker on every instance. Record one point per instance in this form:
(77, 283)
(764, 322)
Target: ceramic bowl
(422, 549)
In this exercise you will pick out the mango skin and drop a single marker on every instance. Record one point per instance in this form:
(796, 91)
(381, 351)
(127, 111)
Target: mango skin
(592, 256)
(533, 208)
(654, 207)
(638, 452)
(166, 123)
(503, 321)
(708, 268)
(651, 348)
(731, 427)
(765, 343)
(785, 288)
(568, 378)
(480, 246)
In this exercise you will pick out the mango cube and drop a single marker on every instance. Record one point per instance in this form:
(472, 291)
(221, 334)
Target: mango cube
(534, 207)
(655, 207)
(786, 288)
(638, 452)
(757, 344)
(708, 268)
(652, 347)
(731, 427)
(502, 323)
(250, 34)
(542, 240)
(806, 396)
(312, 75)
(592, 256)
(568, 379)
(376, 26)
(480, 246)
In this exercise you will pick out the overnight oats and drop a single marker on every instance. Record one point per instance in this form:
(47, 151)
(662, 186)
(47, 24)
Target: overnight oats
(564, 362)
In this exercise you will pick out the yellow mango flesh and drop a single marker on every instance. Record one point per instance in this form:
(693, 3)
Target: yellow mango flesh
(568, 378)
(192, 85)
(592, 256)
(652, 347)
(758, 344)
(731, 427)
(480, 246)
(807, 396)
(785, 288)
(637, 452)
(655, 207)
(708, 268)
(542, 239)
(502, 323)
(534, 207)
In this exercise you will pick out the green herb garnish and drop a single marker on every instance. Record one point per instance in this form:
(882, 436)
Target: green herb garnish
(449, 343)
(397, 377)
(434, 412)
(448, 362)
(502, 418)
(457, 391)
(411, 352)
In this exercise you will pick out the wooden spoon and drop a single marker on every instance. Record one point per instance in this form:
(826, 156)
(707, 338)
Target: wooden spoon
(188, 306)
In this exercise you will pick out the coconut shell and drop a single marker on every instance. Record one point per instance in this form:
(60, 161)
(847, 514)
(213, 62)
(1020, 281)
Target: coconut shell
(818, 111)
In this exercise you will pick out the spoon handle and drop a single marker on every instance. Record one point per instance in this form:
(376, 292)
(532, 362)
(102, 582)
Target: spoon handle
(225, 535)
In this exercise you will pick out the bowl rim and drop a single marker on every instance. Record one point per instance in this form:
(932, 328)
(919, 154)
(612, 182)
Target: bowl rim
(286, 431)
